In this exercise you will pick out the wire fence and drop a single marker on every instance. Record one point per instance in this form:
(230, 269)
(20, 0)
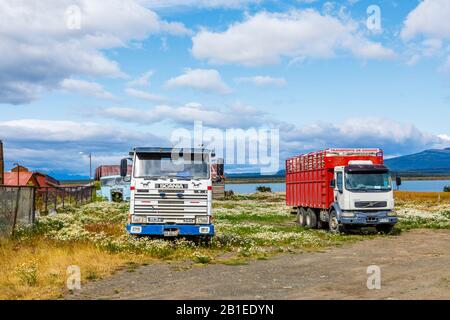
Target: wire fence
(51, 199)
(19, 206)
(16, 208)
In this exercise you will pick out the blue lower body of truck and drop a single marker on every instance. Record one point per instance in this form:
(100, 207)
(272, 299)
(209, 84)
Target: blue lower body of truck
(371, 219)
(204, 230)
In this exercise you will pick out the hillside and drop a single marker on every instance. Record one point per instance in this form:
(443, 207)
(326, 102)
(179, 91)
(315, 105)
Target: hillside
(433, 162)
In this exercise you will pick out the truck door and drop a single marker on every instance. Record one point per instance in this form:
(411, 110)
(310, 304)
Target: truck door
(339, 189)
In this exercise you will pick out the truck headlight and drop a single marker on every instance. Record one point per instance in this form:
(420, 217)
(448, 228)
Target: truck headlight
(201, 220)
(391, 214)
(347, 215)
(138, 219)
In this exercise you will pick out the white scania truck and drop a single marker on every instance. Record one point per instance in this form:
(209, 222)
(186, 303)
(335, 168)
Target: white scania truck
(171, 192)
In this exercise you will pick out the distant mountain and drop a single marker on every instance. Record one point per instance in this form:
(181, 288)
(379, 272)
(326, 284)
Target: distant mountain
(432, 162)
(426, 163)
(280, 173)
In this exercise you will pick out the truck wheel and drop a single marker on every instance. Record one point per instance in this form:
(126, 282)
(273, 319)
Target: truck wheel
(384, 228)
(334, 225)
(301, 216)
(311, 219)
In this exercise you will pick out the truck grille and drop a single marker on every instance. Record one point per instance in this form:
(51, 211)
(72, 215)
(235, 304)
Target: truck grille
(171, 203)
(370, 204)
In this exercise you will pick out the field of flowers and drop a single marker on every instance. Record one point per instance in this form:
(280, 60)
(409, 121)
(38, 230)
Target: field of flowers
(93, 237)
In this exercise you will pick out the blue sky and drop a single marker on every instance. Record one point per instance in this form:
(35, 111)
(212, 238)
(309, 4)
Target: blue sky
(129, 72)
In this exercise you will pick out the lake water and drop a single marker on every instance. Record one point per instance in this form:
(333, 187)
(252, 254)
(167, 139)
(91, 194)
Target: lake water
(410, 185)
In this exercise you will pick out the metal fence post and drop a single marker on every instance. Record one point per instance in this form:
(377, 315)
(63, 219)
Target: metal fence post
(46, 200)
(16, 211)
(33, 206)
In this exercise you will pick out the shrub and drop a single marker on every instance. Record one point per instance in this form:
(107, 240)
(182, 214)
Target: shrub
(27, 273)
(229, 195)
(201, 258)
(263, 189)
(447, 189)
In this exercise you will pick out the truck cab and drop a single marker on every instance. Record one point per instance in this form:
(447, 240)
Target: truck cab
(363, 195)
(341, 188)
(114, 188)
(171, 192)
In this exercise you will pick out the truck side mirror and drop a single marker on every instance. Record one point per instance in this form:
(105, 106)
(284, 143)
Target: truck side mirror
(398, 181)
(333, 184)
(123, 167)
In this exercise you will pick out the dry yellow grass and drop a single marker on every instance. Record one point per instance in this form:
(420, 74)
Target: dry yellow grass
(422, 198)
(37, 269)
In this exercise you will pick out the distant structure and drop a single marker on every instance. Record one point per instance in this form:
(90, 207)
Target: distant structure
(2, 165)
(21, 176)
(218, 179)
(109, 170)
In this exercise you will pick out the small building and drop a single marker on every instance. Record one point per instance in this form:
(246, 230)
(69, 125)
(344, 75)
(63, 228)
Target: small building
(21, 179)
(218, 179)
(45, 180)
(109, 170)
(20, 169)
(21, 176)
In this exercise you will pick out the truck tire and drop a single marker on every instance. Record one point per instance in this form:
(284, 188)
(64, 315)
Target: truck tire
(384, 228)
(311, 219)
(301, 216)
(334, 225)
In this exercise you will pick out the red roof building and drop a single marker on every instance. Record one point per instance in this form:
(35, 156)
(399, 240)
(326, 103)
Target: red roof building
(20, 176)
(20, 179)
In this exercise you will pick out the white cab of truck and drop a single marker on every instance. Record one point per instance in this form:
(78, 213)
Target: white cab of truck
(171, 192)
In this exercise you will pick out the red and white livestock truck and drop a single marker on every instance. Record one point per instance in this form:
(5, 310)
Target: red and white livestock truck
(341, 189)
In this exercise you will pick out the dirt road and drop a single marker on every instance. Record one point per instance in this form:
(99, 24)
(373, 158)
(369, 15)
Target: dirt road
(414, 265)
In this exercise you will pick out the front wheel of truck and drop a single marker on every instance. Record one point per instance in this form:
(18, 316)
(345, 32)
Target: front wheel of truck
(334, 225)
(384, 228)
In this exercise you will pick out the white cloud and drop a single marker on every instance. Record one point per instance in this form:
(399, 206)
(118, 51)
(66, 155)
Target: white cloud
(39, 50)
(394, 137)
(162, 4)
(429, 19)
(56, 131)
(86, 88)
(201, 79)
(426, 30)
(55, 144)
(142, 80)
(267, 37)
(263, 81)
(145, 95)
(239, 116)
(445, 137)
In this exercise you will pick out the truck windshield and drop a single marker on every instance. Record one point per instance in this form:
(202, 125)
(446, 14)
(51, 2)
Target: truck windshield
(368, 181)
(149, 165)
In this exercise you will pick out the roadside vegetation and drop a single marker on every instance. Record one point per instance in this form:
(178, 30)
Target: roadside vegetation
(255, 226)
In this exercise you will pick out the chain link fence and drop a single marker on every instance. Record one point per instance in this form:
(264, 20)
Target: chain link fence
(19, 206)
(50, 199)
(16, 208)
